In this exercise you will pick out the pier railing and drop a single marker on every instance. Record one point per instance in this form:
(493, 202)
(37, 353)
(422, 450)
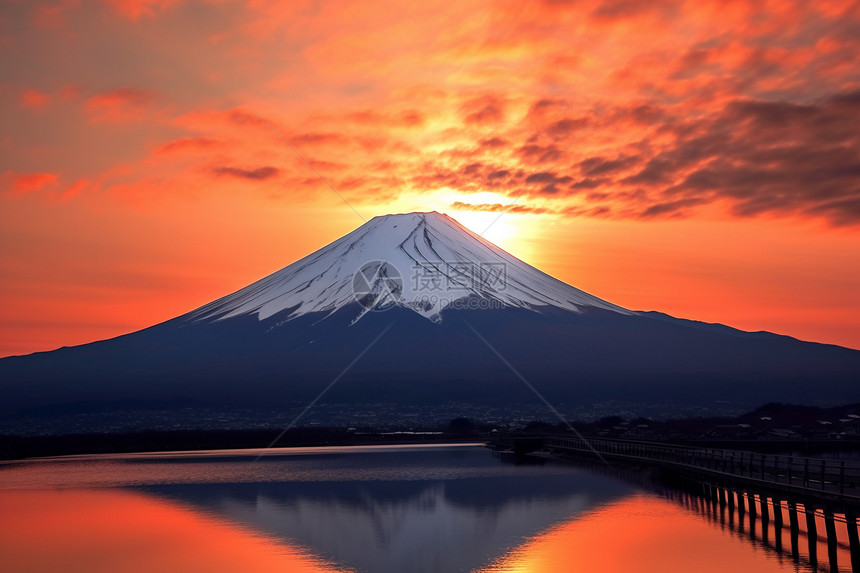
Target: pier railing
(830, 476)
(761, 485)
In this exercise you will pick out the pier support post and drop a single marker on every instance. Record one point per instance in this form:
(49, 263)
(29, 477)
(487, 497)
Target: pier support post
(714, 502)
(811, 535)
(832, 542)
(752, 511)
(777, 522)
(731, 496)
(765, 517)
(794, 528)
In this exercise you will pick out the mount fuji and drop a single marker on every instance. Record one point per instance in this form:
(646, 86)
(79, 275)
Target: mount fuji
(444, 261)
(409, 315)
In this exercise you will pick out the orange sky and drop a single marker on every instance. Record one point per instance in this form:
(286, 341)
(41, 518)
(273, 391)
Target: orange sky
(700, 158)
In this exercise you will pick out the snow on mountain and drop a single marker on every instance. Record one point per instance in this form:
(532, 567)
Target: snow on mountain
(422, 261)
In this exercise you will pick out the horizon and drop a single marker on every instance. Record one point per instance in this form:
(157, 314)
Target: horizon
(690, 159)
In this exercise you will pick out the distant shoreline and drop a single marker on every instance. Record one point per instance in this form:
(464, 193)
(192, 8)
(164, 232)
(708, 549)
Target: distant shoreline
(164, 441)
(256, 442)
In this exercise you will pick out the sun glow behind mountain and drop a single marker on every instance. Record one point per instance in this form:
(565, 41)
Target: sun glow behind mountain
(501, 226)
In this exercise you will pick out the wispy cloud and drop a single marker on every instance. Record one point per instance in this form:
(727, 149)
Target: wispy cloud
(257, 174)
(122, 105)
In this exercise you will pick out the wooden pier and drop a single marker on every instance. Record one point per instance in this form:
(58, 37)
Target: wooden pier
(752, 486)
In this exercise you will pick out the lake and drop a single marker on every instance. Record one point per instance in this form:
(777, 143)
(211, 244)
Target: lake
(429, 508)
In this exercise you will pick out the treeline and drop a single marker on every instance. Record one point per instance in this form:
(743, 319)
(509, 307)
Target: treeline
(773, 418)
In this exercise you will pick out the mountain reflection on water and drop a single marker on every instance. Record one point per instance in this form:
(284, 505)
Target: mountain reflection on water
(458, 523)
(449, 525)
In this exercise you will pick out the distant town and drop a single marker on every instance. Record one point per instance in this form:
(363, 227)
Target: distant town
(772, 427)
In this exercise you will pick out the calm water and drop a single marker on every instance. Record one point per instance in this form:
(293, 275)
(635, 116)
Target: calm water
(373, 509)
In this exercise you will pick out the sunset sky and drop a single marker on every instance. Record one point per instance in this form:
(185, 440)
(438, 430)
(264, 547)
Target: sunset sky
(700, 158)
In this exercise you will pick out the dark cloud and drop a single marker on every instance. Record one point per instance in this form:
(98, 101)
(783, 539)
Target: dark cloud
(243, 117)
(487, 114)
(840, 211)
(671, 208)
(499, 208)
(534, 154)
(483, 110)
(542, 177)
(657, 170)
(594, 166)
(850, 100)
(187, 144)
(259, 174)
(764, 157)
(588, 183)
(463, 177)
(316, 138)
(543, 105)
(598, 196)
(405, 118)
(472, 168)
(601, 211)
(691, 63)
(768, 114)
(493, 143)
(628, 9)
(551, 181)
(647, 114)
(564, 128)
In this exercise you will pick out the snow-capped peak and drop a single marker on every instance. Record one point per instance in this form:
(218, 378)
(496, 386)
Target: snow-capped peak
(422, 261)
